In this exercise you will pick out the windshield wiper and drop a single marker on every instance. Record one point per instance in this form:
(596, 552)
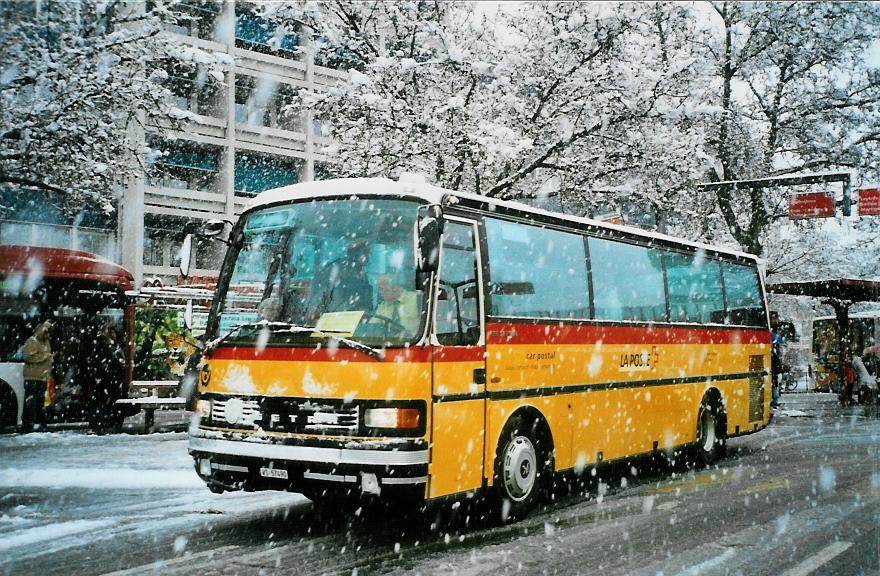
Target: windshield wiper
(274, 326)
(378, 354)
(277, 327)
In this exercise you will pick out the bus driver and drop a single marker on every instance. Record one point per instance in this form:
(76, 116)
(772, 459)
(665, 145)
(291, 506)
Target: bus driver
(398, 305)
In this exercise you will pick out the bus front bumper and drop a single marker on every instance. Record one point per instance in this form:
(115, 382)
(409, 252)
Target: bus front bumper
(301, 465)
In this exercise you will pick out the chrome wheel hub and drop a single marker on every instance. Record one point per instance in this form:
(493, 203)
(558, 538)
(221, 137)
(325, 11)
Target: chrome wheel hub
(519, 469)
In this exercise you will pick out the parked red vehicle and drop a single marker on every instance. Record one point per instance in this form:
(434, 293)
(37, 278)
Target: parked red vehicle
(84, 296)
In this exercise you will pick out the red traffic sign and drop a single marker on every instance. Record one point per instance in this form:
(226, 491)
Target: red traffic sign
(810, 205)
(869, 202)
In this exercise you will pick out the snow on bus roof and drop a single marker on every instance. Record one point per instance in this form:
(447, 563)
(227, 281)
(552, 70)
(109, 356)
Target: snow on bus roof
(416, 187)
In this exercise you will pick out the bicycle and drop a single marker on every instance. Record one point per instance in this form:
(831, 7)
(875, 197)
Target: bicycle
(788, 381)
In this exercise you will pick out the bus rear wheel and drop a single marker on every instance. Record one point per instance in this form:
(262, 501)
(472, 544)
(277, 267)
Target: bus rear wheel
(521, 469)
(711, 433)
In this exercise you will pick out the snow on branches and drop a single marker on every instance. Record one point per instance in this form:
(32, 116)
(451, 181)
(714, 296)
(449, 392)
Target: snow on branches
(77, 76)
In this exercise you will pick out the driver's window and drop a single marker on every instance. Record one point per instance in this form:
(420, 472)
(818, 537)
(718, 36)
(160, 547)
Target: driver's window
(458, 307)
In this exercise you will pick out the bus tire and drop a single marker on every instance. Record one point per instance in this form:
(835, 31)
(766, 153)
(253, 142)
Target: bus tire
(523, 468)
(711, 432)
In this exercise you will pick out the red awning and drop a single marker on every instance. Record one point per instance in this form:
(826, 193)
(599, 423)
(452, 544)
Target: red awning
(61, 263)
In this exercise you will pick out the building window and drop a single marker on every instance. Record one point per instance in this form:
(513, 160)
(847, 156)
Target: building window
(255, 173)
(324, 171)
(266, 102)
(193, 89)
(331, 55)
(196, 18)
(253, 32)
(154, 247)
(183, 166)
(286, 115)
(251, 100)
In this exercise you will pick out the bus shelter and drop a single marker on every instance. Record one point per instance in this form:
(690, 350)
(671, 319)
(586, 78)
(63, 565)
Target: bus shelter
(840, 294)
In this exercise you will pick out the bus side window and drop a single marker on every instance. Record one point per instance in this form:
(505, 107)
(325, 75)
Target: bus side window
(530, 267)
(694, 287)
(458, 310)
(628, 281)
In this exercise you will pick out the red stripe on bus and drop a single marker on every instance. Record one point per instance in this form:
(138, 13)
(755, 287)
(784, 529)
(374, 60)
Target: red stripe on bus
(340, 354)
(459, 354)
(414, 354)
(549, 333)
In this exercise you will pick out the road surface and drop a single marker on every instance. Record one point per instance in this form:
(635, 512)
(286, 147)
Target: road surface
(801, 497)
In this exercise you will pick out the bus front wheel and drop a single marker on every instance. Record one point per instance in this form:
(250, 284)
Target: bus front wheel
(521, 469)
(711, 433)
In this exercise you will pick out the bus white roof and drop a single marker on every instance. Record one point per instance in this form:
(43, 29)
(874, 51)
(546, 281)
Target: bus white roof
(417, 187)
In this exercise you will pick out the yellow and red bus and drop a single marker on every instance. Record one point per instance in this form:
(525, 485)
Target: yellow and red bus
(532, 343)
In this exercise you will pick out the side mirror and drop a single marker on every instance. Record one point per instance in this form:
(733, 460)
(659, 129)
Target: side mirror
(186, 255)
(188, 315)
(429, 229)
(212, 228)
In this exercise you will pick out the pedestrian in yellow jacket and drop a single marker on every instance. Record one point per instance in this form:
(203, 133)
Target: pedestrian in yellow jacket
(37, 354)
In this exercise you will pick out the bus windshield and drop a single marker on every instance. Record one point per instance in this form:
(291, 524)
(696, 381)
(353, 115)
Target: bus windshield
(308, 271)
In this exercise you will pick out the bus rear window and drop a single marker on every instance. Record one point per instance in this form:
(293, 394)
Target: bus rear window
(742, 291)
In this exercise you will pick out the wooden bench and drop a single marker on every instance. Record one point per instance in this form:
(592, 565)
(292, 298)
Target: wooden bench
(150, 404)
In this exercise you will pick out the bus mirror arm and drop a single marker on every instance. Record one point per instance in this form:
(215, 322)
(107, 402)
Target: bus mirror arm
(188, 315)
(186, 255)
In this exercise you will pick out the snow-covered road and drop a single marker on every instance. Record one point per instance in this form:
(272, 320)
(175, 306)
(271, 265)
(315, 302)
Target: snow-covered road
(63, 491)
(802, 497)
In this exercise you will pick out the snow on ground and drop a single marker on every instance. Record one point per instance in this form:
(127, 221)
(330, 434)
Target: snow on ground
(792, 413)
(62, 490)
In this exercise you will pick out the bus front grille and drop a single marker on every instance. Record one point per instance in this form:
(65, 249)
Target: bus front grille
(290, 415)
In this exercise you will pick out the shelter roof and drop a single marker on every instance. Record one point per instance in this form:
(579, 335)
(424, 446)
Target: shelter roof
(60, 263)
(852, 289)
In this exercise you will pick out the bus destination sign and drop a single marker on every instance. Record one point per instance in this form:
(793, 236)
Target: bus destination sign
(869, 202)
(810, 205)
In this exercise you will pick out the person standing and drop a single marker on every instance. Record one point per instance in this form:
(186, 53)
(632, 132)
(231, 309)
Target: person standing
(108, 379)
(37, 354)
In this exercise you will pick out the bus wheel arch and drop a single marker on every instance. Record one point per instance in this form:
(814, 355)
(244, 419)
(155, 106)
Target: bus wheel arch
(711, 442)
(523, 468)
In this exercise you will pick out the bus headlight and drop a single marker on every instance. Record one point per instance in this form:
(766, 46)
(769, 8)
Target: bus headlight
(203, 407)
(392, 418)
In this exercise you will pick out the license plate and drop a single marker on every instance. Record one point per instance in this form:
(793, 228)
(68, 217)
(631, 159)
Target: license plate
(273, 473)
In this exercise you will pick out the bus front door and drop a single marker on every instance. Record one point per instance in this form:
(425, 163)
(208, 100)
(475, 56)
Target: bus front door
(459, 365)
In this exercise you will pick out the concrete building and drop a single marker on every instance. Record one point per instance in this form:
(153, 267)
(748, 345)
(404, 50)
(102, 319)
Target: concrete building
(235, 143)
